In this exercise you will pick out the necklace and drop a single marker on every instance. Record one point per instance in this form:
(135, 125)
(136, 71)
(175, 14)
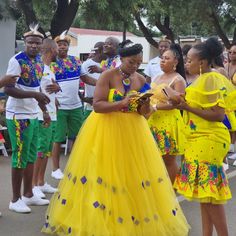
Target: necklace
(126, 81)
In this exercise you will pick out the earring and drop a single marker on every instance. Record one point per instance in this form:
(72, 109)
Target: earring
(200, 69)
(174, 67)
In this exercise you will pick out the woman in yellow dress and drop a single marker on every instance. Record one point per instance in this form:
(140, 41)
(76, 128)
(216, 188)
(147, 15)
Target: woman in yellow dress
(202, 177)
(115, 182)
(166, 123)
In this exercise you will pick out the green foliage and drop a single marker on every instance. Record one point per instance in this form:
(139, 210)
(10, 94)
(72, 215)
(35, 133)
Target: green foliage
(44, 10)
(21, 27)
(106, 15)
(184, 17)
(7, 10)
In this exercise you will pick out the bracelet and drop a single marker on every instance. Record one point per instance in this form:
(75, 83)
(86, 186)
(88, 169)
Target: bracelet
(154, 107)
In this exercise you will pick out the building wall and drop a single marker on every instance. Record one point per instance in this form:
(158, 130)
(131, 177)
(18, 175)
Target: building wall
(86, 42)
(7, 46)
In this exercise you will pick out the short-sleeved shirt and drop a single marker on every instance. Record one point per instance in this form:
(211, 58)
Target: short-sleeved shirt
(68, 72)
(89, 90)
(47, 78)
(112, 62)
(31, 72)
(153, 68)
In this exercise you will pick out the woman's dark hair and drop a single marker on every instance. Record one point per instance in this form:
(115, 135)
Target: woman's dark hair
(219, 60)
(209, 50)
(185, 49)
(176, 49)
(128, 48)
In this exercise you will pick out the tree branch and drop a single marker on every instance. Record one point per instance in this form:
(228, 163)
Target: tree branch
(147, 34)
(26, 7)
(215, 21)
(234, 36)
(64, 16)
(165, 28)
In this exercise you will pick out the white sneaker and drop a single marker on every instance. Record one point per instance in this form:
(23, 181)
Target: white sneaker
(47, 188)
(232, 157)
(35, 201)
(38, 192)
(57, 174)
(19, 206)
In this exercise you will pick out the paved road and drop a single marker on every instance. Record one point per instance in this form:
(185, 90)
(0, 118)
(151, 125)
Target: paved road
(12, 224)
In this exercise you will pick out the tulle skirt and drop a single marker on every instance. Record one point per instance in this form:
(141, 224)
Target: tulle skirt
(115, 183)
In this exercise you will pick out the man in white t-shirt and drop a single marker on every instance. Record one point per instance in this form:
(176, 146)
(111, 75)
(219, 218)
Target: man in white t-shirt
(22, 122)
(153, 69)
(68, 72)
(46, 131)
(110, 49)
(96, 59)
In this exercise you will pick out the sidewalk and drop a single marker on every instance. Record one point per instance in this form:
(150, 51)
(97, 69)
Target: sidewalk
(13, 224)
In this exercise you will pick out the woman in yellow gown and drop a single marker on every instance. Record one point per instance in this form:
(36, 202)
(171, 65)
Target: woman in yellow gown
(202, 177)
(115, 182)
(166, 123)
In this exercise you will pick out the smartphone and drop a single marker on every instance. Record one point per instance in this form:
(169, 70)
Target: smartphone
(165, 92)
(145, 96)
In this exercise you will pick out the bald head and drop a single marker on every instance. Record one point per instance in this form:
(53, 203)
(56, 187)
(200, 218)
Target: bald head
(113, 40)
(49, 49)
(110, 47)
(47, 45)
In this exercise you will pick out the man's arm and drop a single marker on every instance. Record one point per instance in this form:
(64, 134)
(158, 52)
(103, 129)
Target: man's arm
(88, 80)
(95, 69)
(18, 93)
(8, 80)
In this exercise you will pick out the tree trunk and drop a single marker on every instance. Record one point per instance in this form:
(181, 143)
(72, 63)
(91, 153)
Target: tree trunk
(64, 16)
(147, 34)
(234, 36)
(219, 30)
(124, 30)
(27, 8)
(165, 28)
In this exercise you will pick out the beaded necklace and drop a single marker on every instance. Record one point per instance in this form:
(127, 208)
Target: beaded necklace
(126, 81)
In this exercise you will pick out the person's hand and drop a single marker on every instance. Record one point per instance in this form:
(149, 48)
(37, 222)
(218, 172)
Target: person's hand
(9, 80)
(144, 106)
(176, 100)
(88, 100)
(53, 87)
(124, 104)
(94, 69)
(182, 105)
(41, 98)
(46, 119)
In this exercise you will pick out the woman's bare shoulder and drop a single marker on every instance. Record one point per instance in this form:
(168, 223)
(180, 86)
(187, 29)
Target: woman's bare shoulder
(140, 77)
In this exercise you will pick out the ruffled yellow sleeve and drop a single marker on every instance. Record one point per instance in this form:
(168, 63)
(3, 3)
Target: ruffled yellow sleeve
(211, 89)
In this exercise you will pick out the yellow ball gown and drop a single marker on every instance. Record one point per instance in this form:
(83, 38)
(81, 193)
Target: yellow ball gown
(202, 177)
(115, 183)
